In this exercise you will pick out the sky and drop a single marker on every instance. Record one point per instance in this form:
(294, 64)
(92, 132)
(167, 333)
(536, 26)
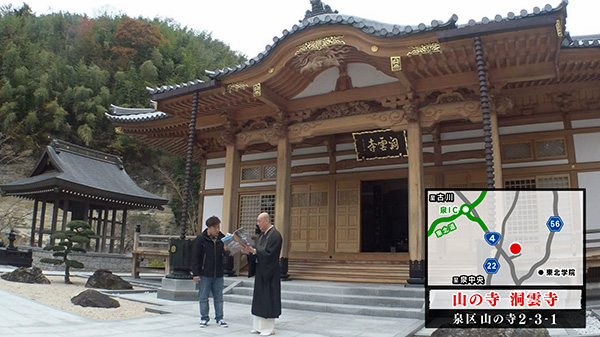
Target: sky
(248, 26)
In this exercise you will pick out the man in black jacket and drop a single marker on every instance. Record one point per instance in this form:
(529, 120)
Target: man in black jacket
(207, 268)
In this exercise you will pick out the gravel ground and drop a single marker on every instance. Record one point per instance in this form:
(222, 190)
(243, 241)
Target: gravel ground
(592, 326)
(58, 294)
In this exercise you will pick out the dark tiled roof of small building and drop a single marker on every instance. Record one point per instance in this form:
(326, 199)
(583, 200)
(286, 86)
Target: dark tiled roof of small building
(66, 168)
(134, 115)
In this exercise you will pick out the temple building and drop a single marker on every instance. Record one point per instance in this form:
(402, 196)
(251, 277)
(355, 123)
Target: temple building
(340, 125)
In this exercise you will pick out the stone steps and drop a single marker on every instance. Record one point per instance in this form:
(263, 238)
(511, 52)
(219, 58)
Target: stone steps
(349, 271)
(344, 298)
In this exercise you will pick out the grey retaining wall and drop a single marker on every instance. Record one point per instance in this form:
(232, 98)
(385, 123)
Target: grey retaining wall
(116, 263)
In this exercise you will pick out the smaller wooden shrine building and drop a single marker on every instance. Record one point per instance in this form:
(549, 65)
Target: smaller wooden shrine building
(81, 184)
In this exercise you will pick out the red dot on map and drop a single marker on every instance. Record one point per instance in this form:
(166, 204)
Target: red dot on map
(515, 248)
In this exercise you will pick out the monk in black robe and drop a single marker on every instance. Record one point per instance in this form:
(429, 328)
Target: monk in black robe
(264, 265)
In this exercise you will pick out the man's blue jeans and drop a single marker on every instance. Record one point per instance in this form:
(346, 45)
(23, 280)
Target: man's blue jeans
(208, 285)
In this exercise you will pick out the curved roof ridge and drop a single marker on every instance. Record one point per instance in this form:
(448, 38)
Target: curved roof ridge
(134, 115)
(583, 41)
(510, 16)
(370, 27)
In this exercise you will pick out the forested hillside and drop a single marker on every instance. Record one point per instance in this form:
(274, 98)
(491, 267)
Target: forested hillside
(59, 73)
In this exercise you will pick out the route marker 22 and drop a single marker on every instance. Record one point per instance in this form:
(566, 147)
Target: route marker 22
(492, 238)
(555, 224)
(491, 265)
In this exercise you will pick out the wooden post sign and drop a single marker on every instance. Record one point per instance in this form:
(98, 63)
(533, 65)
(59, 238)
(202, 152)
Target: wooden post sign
(379, 144)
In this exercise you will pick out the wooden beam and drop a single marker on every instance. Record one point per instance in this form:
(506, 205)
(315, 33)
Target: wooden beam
(357, 94)
(405, 80)
(521, 73)
(269, 97)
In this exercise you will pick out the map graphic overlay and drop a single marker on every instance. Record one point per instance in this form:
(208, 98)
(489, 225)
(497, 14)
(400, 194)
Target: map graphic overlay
(505, 258)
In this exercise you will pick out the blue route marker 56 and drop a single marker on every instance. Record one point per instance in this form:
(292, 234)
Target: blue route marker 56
(555, 224)
(491, 265)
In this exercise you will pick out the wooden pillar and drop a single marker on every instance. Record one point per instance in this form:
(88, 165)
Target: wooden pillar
(33, 223)
(65, 215)
(438, 160)
(416, 211)
(230, 190)
(42, 223)
(123, 228)
(113, 224)
(498, 180)
(104, 230)
(54, 220)
(570, 148)
(282, 192)
(282, 198)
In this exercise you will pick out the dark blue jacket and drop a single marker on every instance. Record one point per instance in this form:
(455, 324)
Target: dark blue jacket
(207, 255)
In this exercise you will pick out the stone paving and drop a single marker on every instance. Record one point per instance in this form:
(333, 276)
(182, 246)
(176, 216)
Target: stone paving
(23, 317)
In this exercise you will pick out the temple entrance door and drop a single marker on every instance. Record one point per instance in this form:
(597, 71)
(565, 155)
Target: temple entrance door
(347, 217)
(309, 219)
(384, 216)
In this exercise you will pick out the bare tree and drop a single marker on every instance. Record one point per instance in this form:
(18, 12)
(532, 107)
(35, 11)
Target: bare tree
(10, 213)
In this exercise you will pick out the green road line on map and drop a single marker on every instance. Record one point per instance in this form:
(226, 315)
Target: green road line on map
(440, 220)
(478, 201)
(479, 221)
(468, 214)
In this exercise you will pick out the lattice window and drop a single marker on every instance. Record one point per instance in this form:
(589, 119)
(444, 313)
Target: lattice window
(270, 172)
(553, 182)
(251, 206)
(346, 198)
(520, 184)
(267, 204)
(249, 210)
(299, 199)
(516, 151)
(318, 199)
(550, 148)
(250, 173)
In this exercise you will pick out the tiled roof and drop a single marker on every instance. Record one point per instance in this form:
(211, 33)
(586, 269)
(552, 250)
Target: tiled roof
(512, 16)
(371, 27)
(133, 115)
(586, 41)
(71, 169)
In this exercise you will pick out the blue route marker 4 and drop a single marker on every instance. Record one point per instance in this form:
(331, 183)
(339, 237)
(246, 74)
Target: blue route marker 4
(555, 224)
(491, 265)
(492, 238)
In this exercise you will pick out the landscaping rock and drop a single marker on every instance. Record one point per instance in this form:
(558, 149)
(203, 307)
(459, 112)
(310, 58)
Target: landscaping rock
(26, 275)
(96, 299)
(104, 279)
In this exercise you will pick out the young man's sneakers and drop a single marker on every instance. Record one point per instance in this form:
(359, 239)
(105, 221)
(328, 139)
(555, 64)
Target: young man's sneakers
(222, 323)
(203, 324)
